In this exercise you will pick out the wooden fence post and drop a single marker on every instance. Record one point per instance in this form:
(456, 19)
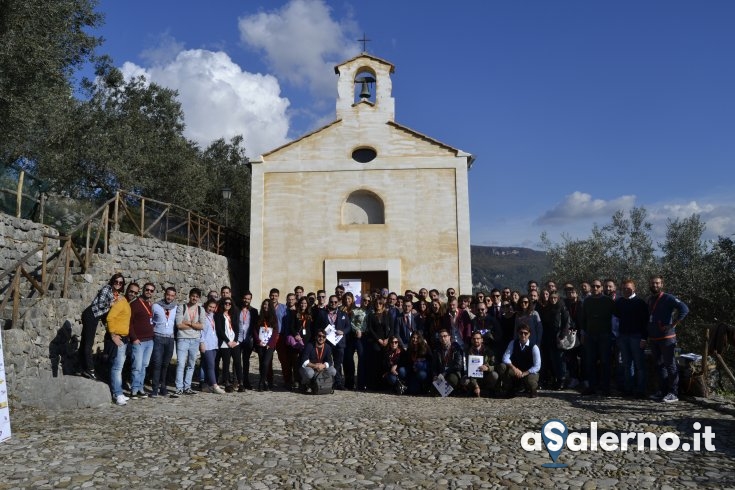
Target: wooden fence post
(19, 195)
(16, 296)
(43, 264)
(117, 211)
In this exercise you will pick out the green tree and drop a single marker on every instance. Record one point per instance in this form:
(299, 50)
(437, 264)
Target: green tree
(228, 167)
(620, 249)
(42, 45)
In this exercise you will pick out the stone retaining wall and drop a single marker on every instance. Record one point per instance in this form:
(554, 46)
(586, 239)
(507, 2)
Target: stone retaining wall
(20, 236)
(28, 346)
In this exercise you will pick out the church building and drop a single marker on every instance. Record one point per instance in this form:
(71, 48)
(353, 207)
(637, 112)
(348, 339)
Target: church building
(363, 200)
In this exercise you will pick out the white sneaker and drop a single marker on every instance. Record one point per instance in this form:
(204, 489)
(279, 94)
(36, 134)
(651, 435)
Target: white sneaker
(121, 400)
(218, 390)
(670, 398)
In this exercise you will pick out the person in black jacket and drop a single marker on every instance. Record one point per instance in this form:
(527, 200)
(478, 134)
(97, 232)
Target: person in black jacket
(632, 313)
(227, 326)
(248, 323)
(448, 359)
(317, 357)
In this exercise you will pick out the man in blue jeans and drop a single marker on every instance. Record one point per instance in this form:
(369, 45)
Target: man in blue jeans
(189, 322)
(666, 311)
(632, 313)
(164, 319)
(141, 338)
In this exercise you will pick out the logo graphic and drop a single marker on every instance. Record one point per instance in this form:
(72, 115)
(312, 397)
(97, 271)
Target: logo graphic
(554, 434)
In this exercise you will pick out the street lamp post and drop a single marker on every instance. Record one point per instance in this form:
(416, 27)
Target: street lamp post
(226, 195)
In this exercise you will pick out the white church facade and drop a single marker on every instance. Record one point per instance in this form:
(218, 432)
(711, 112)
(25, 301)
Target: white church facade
(363, 199)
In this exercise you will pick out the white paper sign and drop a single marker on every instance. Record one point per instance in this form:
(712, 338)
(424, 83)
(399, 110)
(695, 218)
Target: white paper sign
(4, 409)
(473, 366)
(332, 336)
(442, 386)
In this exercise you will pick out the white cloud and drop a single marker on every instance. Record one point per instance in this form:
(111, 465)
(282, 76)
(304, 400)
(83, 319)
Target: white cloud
(166, 49)
(579, 206)
(302, 43)
(220, 100)
(719, 218)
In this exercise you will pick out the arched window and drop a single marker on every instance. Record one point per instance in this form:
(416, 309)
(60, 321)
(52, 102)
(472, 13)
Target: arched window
(363, 208)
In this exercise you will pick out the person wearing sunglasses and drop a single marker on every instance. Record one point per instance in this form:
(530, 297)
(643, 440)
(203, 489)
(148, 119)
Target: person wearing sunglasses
(91, 316)
(141, 338)
(529, 317)
(116, 341)
(337, 318)
(227, 326)
(597, 316)
(317, 357)
(392, 362)
(521, 364)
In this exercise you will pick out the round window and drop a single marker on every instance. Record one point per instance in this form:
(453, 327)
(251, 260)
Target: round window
(364, 155)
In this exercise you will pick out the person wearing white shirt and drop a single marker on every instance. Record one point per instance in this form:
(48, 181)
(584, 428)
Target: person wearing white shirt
(521, 364)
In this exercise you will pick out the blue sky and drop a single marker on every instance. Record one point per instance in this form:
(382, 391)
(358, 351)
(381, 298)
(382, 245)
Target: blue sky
(573, 109)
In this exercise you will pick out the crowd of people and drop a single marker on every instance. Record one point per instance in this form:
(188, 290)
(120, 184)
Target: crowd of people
(496, 343)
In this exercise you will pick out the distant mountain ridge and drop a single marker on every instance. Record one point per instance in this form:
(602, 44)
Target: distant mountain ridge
(498, 267)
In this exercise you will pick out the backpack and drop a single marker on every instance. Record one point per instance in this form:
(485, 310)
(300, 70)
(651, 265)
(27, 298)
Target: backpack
(322, 383)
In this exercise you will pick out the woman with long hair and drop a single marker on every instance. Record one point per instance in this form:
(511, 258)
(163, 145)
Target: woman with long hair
(378, 329)
(526, 315)
(91, 316)
(227, 324)
(422, 317)
(515, 299)
(416, 365)
(300, 329)
(392, 357)
(266, 338)
(208, 346)
(434, 322)
(354, 343)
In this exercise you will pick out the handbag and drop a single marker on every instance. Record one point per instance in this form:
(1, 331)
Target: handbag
(568, 340)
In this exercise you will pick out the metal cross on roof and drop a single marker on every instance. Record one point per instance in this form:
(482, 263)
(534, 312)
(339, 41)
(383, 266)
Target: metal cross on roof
(364, 42)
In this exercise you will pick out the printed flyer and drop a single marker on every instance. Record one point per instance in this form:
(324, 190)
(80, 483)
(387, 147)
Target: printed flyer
(4, 409)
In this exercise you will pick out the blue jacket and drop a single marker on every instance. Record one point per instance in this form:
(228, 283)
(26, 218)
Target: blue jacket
(661, 321)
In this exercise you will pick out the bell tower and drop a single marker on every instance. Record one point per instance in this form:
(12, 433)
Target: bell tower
(364, 88)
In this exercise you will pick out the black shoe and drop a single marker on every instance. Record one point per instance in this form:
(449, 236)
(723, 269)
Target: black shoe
(248, 386)
(261, 386)
(89, 374)
(228, 389)
(189, 391)
(176, 394)
(589, 392)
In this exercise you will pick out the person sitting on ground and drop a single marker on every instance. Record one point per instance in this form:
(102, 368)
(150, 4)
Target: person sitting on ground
(489, 378)
(448, 359)
(317, 357)
(391, 364)
(521, 364)
(416, 365)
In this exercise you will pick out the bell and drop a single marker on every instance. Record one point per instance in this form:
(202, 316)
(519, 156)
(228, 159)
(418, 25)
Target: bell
(365, 91)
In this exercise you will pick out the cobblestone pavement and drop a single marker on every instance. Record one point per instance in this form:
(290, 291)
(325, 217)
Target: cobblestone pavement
(353, 440)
